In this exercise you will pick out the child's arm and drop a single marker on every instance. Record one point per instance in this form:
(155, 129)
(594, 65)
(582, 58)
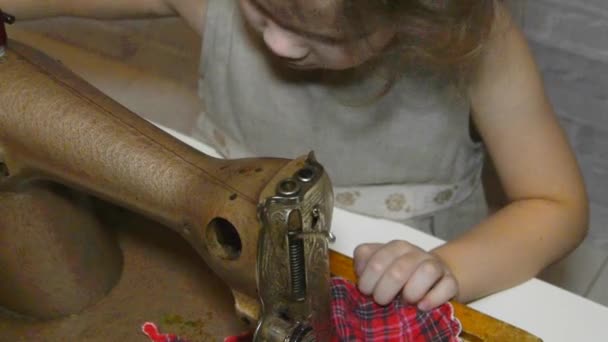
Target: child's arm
(101, 9)
(191, 10)
(548, 211)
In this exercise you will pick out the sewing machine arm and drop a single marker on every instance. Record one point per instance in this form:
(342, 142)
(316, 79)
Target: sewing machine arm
(255, 222)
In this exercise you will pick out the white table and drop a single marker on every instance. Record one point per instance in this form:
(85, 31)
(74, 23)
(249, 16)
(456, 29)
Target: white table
(542, 309)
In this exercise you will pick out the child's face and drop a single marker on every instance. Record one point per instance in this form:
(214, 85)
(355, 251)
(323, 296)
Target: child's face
(312, 37)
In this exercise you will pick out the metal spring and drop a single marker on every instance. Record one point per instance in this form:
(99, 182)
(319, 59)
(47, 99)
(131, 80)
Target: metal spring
(297, 267)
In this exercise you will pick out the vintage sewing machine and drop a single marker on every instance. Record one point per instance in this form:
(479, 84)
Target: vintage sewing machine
(261, 225)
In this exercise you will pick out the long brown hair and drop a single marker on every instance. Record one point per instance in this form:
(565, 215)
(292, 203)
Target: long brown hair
(444, 36)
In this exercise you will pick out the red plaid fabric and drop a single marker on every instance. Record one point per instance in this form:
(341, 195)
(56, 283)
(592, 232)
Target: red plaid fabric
(357, 317)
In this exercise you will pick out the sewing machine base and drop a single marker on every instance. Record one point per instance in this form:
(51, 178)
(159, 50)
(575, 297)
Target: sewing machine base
(163, 280)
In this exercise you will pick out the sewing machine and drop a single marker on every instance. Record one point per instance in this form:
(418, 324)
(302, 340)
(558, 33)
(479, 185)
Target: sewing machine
(261, 225)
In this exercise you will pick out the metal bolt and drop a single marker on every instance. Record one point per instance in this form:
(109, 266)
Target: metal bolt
(331, 237)
(289, 187)
(306, 174)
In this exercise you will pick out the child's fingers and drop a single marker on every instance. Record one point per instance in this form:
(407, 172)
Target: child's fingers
(427, 273)
(443, 291)
(377, 264)
(394, 277)
(362, 254)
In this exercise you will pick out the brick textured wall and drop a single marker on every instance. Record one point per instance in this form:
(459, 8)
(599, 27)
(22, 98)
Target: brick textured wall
(570, 41)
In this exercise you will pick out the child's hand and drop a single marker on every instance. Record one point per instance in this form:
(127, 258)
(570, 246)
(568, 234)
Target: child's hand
(385, 270)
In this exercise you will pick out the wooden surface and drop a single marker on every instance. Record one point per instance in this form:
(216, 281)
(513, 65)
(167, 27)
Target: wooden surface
(477, 327)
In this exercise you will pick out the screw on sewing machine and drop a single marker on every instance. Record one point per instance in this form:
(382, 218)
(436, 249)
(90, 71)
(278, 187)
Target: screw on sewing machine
(289, 187)
(317, 227)
(5, 18)
(306, 174)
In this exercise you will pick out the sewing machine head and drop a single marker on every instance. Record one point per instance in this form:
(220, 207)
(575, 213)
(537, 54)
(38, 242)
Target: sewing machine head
(293, 273)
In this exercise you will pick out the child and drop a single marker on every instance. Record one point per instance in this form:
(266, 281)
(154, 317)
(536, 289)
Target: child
(384, 93)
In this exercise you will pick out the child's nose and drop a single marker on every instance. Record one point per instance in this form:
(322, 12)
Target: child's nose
(284, 43)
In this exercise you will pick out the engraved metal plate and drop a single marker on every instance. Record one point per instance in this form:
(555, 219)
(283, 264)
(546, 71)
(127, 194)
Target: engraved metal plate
(293, 258)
